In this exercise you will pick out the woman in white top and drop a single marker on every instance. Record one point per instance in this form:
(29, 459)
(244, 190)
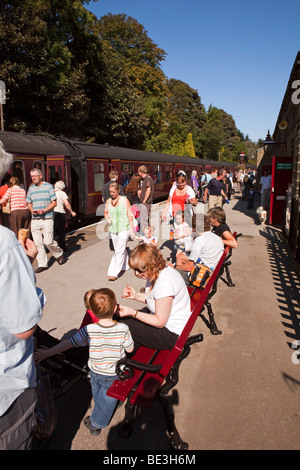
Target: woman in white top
(62, 200)
(166, 297)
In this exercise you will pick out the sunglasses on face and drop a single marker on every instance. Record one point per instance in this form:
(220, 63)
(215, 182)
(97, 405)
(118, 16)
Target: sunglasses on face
(140, 271)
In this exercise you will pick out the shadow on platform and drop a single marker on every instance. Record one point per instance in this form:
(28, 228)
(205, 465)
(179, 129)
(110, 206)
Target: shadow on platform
(286, 282)
(240, 205)
(149, 426)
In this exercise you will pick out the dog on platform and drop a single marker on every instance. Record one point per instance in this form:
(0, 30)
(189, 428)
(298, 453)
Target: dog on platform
(262, 215)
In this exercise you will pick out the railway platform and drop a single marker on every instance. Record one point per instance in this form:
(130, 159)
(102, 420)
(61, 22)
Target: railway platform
(237, 391)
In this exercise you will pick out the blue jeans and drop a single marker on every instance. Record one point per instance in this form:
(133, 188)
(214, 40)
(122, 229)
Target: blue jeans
(104, 406)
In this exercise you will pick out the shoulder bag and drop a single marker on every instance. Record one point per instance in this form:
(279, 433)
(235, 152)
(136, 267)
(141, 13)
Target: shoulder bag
(6, 208)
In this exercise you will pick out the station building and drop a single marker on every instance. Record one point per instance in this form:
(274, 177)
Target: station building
(281, 156)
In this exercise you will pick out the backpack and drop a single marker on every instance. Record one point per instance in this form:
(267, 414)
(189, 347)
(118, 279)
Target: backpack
(204, 182)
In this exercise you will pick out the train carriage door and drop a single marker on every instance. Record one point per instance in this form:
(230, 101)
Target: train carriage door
(282, 168)
(96, 171)
(55, 168)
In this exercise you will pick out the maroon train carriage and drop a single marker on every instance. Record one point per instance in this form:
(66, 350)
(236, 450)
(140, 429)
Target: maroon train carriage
(85, 167)
(32, 151)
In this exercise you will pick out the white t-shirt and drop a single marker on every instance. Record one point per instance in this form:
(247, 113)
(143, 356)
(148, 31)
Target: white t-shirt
(150, 240)
(170, 284)
(181, 231)
(60, 197)
(209, 247)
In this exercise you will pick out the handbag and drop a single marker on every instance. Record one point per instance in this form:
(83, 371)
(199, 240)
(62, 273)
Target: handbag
(6, 208)
(199, 275)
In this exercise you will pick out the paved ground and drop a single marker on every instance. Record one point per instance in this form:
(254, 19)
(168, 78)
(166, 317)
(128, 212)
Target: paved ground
(239, 390)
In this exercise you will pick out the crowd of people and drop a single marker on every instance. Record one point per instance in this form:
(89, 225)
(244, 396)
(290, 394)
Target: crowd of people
(41, 212)
(110, 330)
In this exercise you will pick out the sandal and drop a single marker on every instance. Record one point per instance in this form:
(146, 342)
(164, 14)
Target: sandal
(112, 278)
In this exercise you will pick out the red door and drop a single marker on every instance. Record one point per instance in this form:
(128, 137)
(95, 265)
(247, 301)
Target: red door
(282, 168)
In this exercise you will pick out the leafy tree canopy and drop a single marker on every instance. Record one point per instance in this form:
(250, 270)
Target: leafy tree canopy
(70, 73)
(41, 61)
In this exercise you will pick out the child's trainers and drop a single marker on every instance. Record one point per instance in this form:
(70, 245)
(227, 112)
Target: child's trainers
(94, 431)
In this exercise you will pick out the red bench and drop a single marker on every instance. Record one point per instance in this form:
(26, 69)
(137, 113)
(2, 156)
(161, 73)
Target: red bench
(150, 374)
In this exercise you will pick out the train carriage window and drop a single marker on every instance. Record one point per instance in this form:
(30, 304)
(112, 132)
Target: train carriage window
(19, 172)
(127, 172)
(168, 172)
(55, 174)
(40, 165)
(98, 176)
(157, 174)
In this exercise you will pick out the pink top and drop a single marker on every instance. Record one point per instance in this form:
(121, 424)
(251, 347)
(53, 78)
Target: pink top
(18, 198)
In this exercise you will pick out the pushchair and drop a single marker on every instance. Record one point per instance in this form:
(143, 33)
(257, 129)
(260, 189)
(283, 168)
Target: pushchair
(55, 376)
(65, 369)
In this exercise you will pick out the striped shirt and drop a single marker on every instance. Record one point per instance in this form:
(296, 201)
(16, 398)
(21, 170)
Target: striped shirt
(18, 198)
(107, 345)
(40, 197)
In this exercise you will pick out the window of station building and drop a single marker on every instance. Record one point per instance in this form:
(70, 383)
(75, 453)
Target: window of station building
(98, 176)
(127, 172)
(168, 172)
(19, 172)
(157, 177)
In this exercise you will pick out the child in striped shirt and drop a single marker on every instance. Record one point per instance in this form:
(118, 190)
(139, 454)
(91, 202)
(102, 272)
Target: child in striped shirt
(108, 342)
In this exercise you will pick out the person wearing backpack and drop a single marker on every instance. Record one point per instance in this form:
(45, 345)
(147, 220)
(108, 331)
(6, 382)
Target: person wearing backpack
(246, 185)
(205, 179)
(229, 185)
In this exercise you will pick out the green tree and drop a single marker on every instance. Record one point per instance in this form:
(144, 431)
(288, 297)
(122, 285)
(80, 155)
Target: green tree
(129, 40)
(189, 146)
(211, 141)
(127, 43)
(184, 115)
(68, 73)
(219, 135)
(121, 120)
(42, 62)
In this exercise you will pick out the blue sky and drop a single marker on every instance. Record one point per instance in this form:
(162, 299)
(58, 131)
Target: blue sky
(238, 54)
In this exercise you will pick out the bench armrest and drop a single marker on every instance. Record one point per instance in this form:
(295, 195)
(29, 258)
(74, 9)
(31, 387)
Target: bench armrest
(194, 339)
(125, 368)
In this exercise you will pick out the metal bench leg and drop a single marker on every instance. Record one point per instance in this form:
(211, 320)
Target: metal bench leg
(212, 324)
(229, 280)
(175, 440)
(126, 426)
